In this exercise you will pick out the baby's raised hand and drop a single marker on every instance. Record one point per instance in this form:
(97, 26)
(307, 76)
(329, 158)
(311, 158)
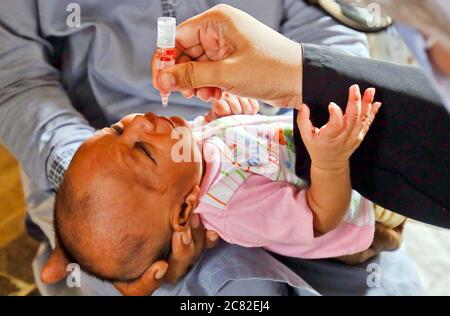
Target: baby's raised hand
(231, 105)
(332, 145)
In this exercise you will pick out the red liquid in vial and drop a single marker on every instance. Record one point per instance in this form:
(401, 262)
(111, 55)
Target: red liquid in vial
(165, 58)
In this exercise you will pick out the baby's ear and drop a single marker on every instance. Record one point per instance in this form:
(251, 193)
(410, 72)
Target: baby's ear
(181, 217)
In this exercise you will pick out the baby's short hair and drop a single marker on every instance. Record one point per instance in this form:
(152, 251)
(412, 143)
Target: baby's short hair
(76, 210)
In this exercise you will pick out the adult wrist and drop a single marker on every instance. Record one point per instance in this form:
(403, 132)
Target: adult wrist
(297, 74)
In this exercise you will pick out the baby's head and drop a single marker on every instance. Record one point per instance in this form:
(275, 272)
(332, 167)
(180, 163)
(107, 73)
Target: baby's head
(123, 196)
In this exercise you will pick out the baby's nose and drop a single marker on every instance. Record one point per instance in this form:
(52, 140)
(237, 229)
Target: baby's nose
(141, 124)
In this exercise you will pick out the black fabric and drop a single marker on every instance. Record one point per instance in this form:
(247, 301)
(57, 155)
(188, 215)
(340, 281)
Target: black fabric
(404, 162)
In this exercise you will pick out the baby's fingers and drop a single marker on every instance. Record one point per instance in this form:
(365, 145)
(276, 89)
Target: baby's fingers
(304, 123)
(364, 124)
(336, 121)
(221, 108)
(246, 106)
(255, 106)
(240, 105)
(375, 108)
(367, 100)
(353, 110)
(234, 103)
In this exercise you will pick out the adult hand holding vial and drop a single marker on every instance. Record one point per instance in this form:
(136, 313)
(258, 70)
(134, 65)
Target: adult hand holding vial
(226, 49)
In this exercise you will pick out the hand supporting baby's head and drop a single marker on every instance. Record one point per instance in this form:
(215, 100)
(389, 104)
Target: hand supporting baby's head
(123, 196)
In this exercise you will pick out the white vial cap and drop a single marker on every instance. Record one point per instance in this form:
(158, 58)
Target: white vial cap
(166, 32)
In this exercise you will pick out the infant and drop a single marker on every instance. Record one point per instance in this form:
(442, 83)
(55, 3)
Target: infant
(132, 185)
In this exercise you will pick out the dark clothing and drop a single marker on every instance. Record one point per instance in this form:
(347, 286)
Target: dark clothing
(404, 162)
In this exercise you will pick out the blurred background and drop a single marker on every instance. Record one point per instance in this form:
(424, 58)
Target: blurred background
(420, 36)
(17, 250)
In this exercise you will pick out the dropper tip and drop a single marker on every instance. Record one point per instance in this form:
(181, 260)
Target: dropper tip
(164, 100)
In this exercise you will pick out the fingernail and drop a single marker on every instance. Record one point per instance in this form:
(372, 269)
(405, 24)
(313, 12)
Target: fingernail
(160, 273)
(186, 238)
(213, 237)
(167, 81)
(195, 221)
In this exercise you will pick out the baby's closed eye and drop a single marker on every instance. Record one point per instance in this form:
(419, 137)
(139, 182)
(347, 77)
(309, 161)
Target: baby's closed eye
(117, 129)
(142, 147)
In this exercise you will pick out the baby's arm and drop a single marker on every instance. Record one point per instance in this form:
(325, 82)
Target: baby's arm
(330, 148)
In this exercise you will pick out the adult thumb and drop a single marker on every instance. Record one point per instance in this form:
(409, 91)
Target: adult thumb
(55, 268)
(190, 75)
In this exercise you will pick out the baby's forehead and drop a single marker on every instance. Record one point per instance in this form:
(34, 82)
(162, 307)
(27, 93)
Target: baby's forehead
(102, 166)
(97, 149)
(95, 172)
(91, 146)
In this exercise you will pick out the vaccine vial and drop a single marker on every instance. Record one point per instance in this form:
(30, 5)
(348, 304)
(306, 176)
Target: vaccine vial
(165, 48)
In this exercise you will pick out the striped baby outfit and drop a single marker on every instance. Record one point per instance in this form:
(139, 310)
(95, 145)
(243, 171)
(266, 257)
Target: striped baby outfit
(251, 195)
